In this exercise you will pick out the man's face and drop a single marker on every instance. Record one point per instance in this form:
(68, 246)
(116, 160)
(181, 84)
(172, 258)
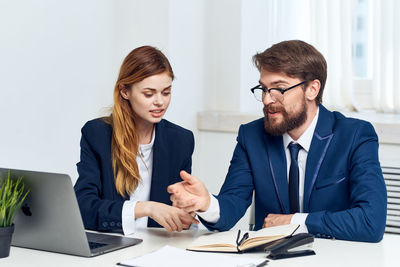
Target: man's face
(291, 112)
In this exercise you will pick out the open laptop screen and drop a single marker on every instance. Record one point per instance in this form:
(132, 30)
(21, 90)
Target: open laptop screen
(50, 220)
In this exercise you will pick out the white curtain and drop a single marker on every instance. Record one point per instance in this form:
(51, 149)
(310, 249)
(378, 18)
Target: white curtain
(326, 24)
(329, 25)
(331, 32)
(386, 50)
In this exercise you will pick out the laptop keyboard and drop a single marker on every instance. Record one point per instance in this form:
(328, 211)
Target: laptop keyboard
(94, 245)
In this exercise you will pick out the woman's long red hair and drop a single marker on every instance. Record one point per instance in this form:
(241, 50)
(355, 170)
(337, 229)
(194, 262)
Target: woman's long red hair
(140, 63)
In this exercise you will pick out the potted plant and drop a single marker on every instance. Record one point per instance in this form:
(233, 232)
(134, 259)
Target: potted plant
(12, 196)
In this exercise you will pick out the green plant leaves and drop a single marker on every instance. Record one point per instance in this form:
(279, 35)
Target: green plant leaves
(12, 195)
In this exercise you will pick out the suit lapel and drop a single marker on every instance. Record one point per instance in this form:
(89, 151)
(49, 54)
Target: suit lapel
(277, 164)
(160, 169)
(160, 165)
(319, 145)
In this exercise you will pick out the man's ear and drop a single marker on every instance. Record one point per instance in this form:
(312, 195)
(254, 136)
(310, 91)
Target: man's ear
(313, 90)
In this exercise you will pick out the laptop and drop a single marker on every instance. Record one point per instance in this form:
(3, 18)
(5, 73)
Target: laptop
(50, 220)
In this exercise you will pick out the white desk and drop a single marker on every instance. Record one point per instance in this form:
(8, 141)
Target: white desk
(329, 253)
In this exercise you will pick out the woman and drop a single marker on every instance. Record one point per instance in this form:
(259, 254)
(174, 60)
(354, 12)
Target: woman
(129, 158)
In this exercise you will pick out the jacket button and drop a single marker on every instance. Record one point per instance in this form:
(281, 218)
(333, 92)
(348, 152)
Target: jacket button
(105, 224)
(112, 224)
(119, 224)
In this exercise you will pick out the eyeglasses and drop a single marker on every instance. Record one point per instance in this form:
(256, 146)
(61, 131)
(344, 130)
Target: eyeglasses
(276, 94)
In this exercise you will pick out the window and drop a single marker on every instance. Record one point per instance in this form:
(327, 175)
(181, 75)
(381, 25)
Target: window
(362, 54)
(361, 40)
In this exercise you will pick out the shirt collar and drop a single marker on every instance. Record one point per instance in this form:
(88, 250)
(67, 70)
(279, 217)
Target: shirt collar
(306, 138)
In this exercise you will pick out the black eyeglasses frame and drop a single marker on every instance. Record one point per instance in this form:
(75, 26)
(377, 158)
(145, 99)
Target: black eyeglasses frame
(282, 91)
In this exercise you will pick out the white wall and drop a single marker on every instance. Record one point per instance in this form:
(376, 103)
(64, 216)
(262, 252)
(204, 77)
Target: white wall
(59, 62)
(55, 73)
(60, 59)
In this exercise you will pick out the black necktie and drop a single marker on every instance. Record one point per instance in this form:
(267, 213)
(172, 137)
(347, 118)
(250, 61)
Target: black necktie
(294, 178)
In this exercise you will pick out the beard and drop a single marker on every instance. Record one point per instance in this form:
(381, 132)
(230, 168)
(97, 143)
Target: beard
(289, 122)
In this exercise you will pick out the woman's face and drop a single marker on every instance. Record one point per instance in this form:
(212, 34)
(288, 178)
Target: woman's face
(150, 97)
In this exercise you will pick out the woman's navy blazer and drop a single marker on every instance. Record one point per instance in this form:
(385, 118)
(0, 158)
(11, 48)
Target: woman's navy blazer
(99, 202)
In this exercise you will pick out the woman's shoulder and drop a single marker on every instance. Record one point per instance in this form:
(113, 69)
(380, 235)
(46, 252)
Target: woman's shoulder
(173, 128)
(174, 135)
(97, 126)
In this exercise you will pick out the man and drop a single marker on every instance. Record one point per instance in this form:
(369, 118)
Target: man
(305, 164)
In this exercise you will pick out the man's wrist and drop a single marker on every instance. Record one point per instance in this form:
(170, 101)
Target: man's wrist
(207, 204)
(211, 215)
(300, 219)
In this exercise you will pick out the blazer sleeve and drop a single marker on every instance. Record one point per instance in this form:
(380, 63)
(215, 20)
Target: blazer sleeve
(100, 206)
(365, 218)
(236, 193)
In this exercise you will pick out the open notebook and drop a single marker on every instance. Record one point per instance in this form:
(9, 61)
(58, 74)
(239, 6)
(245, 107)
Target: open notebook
(235, 241)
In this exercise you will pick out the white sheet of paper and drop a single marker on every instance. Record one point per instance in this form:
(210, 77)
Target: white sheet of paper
(176, 257)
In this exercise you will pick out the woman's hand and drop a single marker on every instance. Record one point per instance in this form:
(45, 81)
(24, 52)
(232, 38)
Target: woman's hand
(171, 218)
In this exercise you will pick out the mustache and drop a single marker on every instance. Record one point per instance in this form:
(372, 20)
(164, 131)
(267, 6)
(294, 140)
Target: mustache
(270, 108)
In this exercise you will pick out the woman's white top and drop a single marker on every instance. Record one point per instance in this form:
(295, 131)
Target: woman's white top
(144, 160)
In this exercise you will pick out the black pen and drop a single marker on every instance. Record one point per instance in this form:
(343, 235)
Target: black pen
(263, 263)
(237, 238)
(245, 236)
(121, 264)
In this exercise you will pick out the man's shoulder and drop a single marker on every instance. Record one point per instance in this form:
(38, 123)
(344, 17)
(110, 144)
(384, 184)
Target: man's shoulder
(335, 121)
(344, 128)
(343, 121)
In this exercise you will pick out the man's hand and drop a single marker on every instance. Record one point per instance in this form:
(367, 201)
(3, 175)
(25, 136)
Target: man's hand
(190, 194)
(171, 218)
(277, 219)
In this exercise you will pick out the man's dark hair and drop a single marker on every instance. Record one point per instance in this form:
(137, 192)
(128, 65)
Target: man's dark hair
(297, 59)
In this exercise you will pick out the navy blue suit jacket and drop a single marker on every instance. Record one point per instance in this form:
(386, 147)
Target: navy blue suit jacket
(344, 190)
(99, 202)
